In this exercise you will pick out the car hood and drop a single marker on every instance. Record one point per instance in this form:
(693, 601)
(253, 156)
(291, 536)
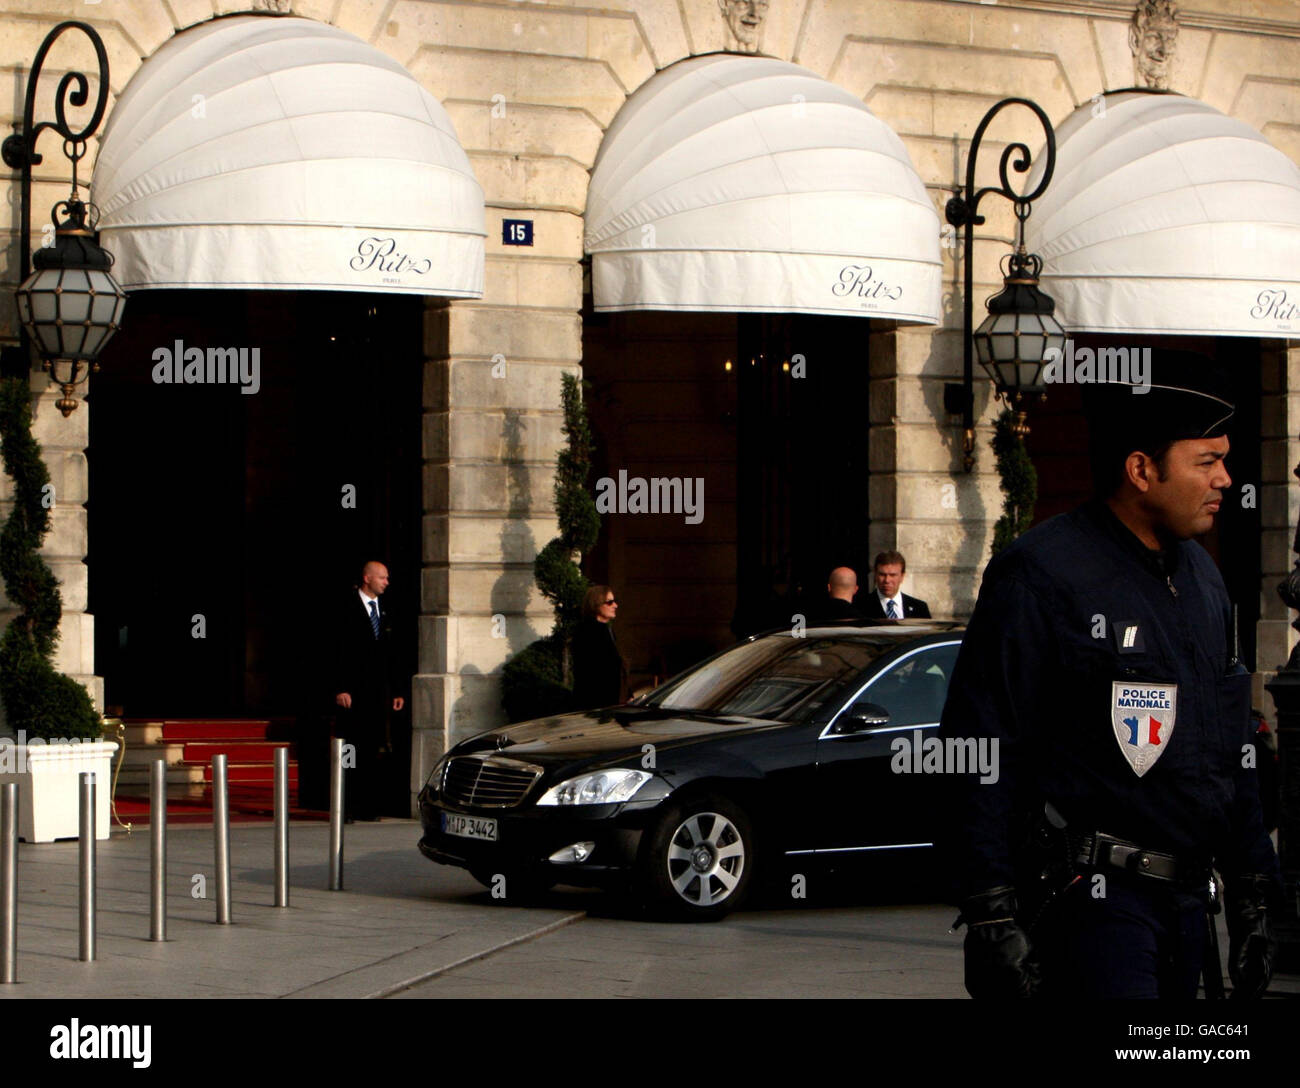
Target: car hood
(607, 733)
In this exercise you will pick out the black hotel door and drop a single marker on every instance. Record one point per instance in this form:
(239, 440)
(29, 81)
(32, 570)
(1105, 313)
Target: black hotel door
(221, 523)
(802, 461)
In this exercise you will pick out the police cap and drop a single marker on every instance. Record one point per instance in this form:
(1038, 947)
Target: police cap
(1170, 396)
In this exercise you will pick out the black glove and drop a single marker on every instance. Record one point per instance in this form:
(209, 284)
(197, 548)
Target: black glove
(1250, 944)
(999, 959)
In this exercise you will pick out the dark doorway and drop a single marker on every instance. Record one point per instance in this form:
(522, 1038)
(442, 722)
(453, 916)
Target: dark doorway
(802, 462)
(226, 515)
(770, 411)
(662, 403)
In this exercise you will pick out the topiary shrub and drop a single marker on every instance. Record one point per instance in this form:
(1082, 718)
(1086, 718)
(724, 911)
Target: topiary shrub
(536, 681)
(558, 576)
(561, 583)
(1018, 480)
(532, 682)
(37, 698)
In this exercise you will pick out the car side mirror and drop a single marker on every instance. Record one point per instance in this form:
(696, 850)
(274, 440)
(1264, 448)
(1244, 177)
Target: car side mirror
(862, 716)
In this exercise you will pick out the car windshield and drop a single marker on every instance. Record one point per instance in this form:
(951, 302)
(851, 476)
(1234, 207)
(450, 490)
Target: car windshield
(775, 678)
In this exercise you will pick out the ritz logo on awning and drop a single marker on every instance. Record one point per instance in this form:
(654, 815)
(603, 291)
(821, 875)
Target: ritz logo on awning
(1272, 304)
(381, 254)
(858, 280)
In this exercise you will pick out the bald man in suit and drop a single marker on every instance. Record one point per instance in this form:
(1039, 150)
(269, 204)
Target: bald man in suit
(841, 585)
(365, 681)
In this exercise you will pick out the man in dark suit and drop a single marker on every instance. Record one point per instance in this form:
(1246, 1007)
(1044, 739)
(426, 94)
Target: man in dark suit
(886, 601)
(365, 684)
(841, 585)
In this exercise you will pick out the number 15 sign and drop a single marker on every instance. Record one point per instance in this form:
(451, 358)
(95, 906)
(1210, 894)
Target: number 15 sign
(516, 232)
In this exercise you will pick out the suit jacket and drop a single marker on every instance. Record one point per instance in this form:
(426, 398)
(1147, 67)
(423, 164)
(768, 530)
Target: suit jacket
(913, 608)
(362, 665)
(836, 608)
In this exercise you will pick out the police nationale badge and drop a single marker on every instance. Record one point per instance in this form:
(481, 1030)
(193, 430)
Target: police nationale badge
(1143, 717)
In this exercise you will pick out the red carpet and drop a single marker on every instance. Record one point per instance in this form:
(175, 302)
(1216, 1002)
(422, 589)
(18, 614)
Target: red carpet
(250, 761)
(135, 810)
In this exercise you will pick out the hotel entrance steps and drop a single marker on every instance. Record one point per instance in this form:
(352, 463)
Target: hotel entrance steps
(188, 746)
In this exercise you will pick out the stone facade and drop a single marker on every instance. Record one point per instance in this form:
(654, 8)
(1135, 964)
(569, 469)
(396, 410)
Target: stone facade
(1279, 504)
(531, 87)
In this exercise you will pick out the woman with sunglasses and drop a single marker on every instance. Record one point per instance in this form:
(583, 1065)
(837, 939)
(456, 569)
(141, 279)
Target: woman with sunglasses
(599, 671)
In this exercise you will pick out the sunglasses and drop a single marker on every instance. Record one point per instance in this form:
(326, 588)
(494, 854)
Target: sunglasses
(612, 600)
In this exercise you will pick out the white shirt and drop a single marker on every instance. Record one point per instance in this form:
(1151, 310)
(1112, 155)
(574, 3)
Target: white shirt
(365, 600)
(884, 603)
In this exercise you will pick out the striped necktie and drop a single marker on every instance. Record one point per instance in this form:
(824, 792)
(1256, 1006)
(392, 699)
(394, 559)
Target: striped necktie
(374, 618)
(891, 610)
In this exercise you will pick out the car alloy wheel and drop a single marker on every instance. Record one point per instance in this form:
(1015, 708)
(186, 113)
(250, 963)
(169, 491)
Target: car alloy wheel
(701, 859)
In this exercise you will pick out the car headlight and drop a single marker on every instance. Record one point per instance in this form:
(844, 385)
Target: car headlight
(434, 781)
(601, 788)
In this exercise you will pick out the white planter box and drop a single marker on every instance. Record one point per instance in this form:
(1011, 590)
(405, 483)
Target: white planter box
(49, 788)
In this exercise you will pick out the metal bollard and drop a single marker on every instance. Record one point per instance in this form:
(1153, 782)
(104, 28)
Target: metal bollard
(282, 827)
(221, 837)
(86, 857)
(9, 882)
(336, 814)
(158, 851)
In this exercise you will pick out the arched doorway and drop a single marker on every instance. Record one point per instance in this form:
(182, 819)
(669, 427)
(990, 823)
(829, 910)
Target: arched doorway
(1171, 224)
(220, 520)
(744, 217)
(282, 198)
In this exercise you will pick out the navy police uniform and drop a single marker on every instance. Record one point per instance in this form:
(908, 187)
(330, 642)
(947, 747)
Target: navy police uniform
(1104, 672)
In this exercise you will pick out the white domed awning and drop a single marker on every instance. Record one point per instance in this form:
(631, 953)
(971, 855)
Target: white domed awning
(747, 184)
(260, 152)
(1166, 216)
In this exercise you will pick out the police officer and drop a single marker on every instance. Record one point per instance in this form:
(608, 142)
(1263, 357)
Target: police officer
(1098, 662)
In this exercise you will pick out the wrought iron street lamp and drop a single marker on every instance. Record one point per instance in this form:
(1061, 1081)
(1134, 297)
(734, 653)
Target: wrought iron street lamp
(71, 305)
(1021, 330)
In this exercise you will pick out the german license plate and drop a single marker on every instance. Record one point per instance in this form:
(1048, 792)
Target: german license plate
(469, 827)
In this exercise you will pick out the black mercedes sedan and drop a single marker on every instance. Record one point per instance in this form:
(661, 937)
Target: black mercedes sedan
(793, 746)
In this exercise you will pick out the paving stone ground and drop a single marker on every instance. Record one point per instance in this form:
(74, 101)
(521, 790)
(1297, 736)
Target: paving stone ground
(406, 928)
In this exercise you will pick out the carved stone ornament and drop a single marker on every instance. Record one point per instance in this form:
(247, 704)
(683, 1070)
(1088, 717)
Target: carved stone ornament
(744, 20)
(1152, 37)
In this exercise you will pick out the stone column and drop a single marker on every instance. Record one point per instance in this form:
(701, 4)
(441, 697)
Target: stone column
(922, 503)
(63, 444)
(1279, 502)
(492, 430)
(1280, 510)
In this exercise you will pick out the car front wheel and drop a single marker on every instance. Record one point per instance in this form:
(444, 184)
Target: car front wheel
(699, 860)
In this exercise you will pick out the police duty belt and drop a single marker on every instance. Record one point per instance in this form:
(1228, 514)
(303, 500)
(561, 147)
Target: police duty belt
(1099, 850)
